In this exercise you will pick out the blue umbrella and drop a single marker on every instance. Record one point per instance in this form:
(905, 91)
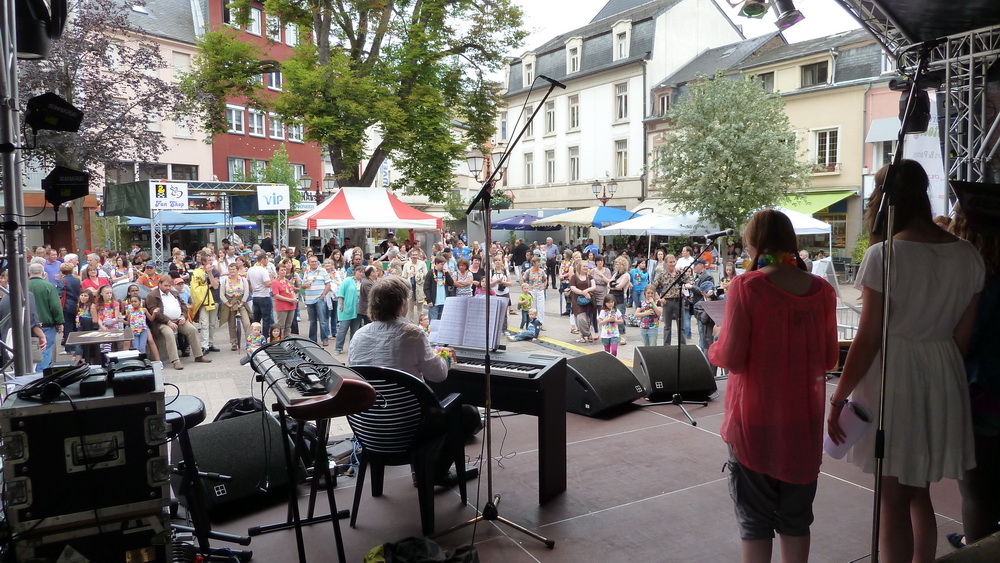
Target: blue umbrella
(596, 216)
(520, 223)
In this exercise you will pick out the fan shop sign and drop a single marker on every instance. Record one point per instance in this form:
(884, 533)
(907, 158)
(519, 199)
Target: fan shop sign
(168, 195)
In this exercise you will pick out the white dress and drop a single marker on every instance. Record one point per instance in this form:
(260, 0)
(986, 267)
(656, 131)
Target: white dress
(927, 420)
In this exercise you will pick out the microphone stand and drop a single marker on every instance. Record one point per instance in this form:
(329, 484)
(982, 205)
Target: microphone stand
(490, 512)
(887, 214)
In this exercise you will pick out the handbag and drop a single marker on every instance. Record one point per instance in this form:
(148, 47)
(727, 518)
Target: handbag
(582, 301)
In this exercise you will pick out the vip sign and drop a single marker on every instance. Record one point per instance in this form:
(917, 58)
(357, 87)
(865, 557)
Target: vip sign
(168, 195)
(271, 198)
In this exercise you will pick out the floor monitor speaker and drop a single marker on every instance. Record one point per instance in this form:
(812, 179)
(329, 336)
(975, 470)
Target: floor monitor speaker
(656, 369)
(597, 382)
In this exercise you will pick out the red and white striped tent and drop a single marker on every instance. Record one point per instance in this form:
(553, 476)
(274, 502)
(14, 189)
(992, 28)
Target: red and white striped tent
(364, 208)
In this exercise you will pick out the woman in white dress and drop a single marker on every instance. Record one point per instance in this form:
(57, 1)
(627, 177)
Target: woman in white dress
(935, 288)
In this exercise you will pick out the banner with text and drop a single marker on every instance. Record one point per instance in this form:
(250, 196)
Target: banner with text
(168, 195)
(270, 198)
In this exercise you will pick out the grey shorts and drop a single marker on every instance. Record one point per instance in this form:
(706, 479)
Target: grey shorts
(765, 505)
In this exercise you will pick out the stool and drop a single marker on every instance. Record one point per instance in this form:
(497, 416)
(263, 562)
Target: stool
(184, 412)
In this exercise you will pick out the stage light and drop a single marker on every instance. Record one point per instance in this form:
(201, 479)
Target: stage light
(38, 22)
(753, 9)
(49, 112)
(787, 14)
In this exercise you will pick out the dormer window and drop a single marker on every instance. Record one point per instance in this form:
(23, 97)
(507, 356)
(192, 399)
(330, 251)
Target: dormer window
(574, 52)
(622, 34)
(528, 70)
(529, 73)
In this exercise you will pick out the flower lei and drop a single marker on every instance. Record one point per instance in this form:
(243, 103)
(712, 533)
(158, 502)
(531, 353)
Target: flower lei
(447, 353)
(775, 258)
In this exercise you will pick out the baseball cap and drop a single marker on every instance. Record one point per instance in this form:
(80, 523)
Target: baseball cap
(178, 281)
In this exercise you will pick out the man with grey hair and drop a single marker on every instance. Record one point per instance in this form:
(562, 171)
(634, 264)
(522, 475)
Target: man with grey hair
(49, 309)
(94, 261)
(73, 259)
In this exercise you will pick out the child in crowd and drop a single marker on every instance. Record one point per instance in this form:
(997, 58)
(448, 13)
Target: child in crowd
(482, 287)
(135, 315)
(534, 325)
(104, 311)
(524, 303)
(648, 314)
(275, 333)
(608, 320)
(83, 319)
(425, 323)
(256, 337)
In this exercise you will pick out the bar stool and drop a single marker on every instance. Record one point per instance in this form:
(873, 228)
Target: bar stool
(184, 412)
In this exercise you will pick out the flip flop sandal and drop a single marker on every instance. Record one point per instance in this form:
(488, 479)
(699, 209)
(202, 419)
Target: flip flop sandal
(956, 540)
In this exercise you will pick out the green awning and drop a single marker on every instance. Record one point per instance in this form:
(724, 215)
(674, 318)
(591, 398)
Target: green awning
(812, 202)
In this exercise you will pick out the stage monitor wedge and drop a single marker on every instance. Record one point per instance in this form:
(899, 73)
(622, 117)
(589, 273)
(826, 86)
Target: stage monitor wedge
(598, 382)
(656, 368)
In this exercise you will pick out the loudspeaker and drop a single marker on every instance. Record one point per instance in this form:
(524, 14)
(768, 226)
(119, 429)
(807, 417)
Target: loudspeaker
(248, 448)
(656, 368)
(597, 382)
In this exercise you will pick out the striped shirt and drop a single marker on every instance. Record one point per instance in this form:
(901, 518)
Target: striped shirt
(318, 279)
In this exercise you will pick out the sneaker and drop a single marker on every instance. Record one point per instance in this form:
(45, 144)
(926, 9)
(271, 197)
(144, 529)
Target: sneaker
(510, 337)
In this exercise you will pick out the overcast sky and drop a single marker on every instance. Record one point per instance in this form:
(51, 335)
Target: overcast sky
(548, 18)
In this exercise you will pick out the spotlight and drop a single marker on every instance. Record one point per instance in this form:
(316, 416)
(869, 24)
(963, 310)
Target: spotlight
(38, 22)
(787, 14)
(49, 112)
(753, 9)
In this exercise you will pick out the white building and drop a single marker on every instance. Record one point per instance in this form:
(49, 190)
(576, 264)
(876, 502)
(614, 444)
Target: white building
(593, 130)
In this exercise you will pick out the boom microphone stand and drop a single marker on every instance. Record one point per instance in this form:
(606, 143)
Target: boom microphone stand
(490, 511)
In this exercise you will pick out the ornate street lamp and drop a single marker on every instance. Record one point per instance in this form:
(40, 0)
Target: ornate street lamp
(604, 192)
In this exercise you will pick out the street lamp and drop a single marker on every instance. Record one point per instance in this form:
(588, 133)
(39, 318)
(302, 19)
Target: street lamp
(306, 182)
(604, 192)
(475, 159)
(329, 182)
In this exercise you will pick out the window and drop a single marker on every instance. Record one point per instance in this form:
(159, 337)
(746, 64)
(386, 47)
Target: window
(274, 80)
(255, 123)
(118, 173)
(257, 168)
(814, 74)
(550, 117)
(550, 167)
(153, 122)
(826, 151)
(574, 164)
(253, 26)
(234, 119)
(275, 128)
(273, 28)
(884, 152)
(621, 101)
(621, 45)
(183, 172)
(888, 63)
(291, 35)
(574, 112)
(621, 34)
(767, 81)
(529, 169)
(529, 73)
(227, 15)
(181, 64)
(116, 55)
(664, 104)
(295, 132)
(299, 170)
(503, 126)
(182, 128)
(574, 60)
(152, 171)
(621, 158)
(237, 169)
(529, 130)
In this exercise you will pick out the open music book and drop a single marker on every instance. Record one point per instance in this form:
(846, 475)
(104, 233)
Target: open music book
(464, 322)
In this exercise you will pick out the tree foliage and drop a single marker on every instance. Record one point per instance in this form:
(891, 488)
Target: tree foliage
(406, 67)
(730, 150)
(277, 171)
(107, 69)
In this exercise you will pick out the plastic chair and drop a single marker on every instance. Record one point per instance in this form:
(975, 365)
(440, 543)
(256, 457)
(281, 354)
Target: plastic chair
(406, 425)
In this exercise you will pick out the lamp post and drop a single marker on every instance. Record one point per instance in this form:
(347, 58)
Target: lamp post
(604, 192)
(329, 183)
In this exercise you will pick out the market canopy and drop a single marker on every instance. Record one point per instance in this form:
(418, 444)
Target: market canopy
(365, 208)
(186, 221)
(521, 222)
(810, 203)
(690, 224)
(639, 225)
(597, 216)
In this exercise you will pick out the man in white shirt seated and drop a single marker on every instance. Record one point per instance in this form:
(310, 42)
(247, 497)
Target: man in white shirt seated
(390, 340)
(168, 317)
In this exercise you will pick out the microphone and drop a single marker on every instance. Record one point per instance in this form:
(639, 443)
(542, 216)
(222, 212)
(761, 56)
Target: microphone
(552, 82)
(725, 233)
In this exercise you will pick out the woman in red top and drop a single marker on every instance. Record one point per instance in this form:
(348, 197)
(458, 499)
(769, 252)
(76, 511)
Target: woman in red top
(284, 300)
(779, 336)
(92, 279)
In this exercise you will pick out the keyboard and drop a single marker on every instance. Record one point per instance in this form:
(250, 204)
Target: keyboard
(501, 363)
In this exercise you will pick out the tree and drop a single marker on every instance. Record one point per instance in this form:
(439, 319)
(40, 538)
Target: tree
(277, 171)
(731, 150)
(105, 67)
(409, 68)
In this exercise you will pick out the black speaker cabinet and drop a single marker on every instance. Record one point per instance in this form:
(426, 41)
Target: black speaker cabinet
(597, 382)
(656, 368)
(248, 448)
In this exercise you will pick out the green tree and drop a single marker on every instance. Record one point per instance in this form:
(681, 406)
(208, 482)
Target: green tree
(730, 150)
(405, 69)
(277, 171)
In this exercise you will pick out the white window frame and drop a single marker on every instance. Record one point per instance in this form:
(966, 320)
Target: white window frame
(256, 126)
(767, 81)
(275, 127)
(179, 69)
(296, 132)
(257, 168)
(621, 101)
(550, 117)
(235, 119)
(291, 34)
(529, 169)
(814, 67)
(182, 129)
(233, 170)
(275, 80)
(826, 160)
(664, 104)
(574, 112)
(529, 130)
(253, 25)
(574, 60)
(503, 125)
(550, 167)
(574, 163)
(273, 28)
(153, 123)
(888, 63)
(528, 69)
(621, 158)
(621, 39)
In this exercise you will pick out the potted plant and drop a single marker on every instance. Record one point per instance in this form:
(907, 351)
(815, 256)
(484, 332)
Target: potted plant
(501, 200)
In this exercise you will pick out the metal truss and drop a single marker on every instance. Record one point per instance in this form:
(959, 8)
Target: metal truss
(156, 237)
(281, 237)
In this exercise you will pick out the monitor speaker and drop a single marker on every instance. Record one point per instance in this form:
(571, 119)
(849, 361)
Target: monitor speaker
(656, 369)
(598, 382)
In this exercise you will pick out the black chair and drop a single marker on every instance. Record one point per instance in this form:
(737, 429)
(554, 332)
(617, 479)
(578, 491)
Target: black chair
(406, 425)
(184, 412)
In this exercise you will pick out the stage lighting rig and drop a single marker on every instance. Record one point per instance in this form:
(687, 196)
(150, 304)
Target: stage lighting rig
(787, 14)
(38, 23)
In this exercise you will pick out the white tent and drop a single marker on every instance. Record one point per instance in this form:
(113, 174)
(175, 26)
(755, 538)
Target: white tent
(806, 224)
(690, 224)
(639, 225)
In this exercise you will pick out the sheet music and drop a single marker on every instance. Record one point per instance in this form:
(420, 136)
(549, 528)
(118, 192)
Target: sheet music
(463, 322)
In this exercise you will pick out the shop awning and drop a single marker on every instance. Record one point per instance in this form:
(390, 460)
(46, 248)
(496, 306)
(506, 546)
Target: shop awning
(886, 129)
(812, 202)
